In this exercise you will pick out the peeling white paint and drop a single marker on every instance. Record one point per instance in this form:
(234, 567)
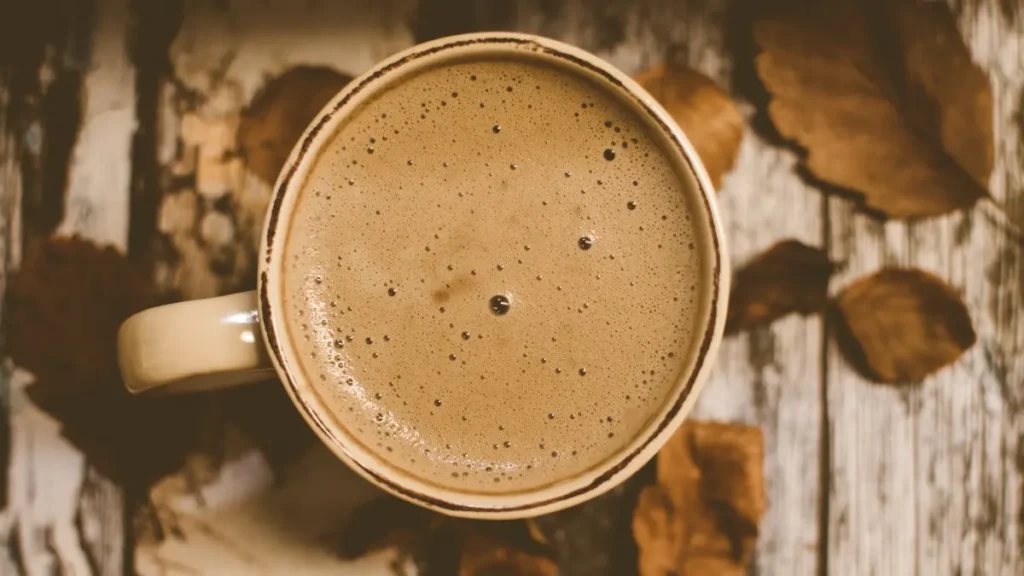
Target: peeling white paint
(10, 232)
(238, 524)
(257, 39)
(44, 482)
(46, 473)
(99, 175)
(221, 58)
(239, 480)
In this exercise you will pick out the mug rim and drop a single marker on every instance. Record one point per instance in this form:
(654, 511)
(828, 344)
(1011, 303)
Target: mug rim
(600, 477)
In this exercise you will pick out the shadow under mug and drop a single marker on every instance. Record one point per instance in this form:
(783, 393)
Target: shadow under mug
(237, 339)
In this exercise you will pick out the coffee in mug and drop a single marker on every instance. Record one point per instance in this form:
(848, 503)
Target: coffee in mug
(493, 279)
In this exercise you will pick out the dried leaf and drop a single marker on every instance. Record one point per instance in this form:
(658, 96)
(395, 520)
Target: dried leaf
(704, 111)
(280, 113)
(596, 536)
(66, 304)
(387, 522)
(885, 99)
(702, 515)
(483, 556)
(444, 545)
(900, 325)
(788, 277)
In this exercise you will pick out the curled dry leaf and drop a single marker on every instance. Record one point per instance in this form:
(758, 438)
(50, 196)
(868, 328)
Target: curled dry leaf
(900, 325)
(384, 523)
(443, 545)
(279, 114)
(788, 277)
(484, 556)
(704, 111)
(885, 99)
(702, 515)
(66, 304)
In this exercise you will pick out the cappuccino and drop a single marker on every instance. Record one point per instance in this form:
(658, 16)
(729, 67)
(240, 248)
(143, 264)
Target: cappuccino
(492, 279)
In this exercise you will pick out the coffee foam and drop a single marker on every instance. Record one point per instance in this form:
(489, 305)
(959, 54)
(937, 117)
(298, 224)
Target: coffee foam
(495, 283)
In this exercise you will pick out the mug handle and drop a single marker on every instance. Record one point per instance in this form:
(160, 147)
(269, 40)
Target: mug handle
(193, 346)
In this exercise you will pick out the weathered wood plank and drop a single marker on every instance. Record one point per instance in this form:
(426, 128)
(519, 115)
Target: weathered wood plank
(96, 204)
(97, 207)
(44, 480)
(983, 407)
(237, 523)
(772, 377)
(10, 194)
(67, 517)
(871, 495)
(49, 44)
(927, 479)
(155, 24)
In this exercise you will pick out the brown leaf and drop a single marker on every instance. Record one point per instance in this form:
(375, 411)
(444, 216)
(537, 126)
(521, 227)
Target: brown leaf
(704, 111)
(903, 324)
(788, 277)
(483, 556)
(885, 99)
(444, 545)
(702, 515)
(66, 304)
(386, 522)
(279, 114)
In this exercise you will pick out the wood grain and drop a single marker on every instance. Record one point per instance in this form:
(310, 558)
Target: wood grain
(10, 193)
(928, 480)
(73, 151)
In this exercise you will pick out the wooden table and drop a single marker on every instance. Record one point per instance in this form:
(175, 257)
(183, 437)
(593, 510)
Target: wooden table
(118, 120)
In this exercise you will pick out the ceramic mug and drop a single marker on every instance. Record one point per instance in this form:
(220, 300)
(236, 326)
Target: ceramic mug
(236, 339)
